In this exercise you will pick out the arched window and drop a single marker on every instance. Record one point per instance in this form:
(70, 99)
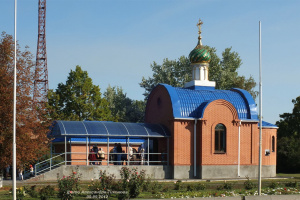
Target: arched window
(273, 143)
(220, 138)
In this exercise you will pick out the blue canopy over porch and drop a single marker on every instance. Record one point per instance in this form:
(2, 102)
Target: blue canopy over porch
(101, 132)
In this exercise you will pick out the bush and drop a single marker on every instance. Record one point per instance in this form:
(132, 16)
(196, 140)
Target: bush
(225, 186)
(191, 187)
(20, 193)
(196, 187)
(32, 191)
(147, 184)
(273, 185)
(151, 186)
(248, 184)
(106, 183)
(166, 188)
(46, 192)
(67, 186)
(178, 185)
(228, 185)
(220, 187)
(154, 186)
(200, 186)
(132, 181)
(292, 184)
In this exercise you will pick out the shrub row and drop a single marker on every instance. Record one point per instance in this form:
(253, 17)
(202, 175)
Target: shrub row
(131, 184)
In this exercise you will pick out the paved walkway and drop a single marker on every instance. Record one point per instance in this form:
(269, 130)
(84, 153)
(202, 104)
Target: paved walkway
(274, 197)
(269, 197)
(9, 183)
(205, 198)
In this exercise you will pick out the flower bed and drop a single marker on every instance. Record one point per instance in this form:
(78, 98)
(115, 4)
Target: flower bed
(134, 184)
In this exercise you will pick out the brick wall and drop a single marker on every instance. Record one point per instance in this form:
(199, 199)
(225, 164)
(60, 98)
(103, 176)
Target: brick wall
(248, 143)
(78, 156)
(220, 112)
(79, 153)
(159, 110)
(183, 142)
(267, 134)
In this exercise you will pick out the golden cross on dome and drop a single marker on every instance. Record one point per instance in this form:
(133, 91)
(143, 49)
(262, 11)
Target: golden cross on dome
(199, 32)
(199, 26)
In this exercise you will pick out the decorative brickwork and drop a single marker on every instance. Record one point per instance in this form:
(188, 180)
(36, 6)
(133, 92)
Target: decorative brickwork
(219, 112)
(159, 110)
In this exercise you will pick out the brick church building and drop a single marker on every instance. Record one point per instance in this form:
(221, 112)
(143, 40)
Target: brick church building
(214, 133)
(196, 131)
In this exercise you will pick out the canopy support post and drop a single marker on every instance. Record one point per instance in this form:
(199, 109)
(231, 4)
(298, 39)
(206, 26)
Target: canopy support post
(148, 151)
(107, 150)
(70, 151)
(128, 151)
(65, 150)
(168, 143)
(87, 151)
(51, 155)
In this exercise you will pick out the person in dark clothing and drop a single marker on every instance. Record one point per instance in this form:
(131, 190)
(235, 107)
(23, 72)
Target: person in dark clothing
(114, 154)
(92, 157)
(119, 151)
(123, 157)
(95, 150)
(7, 170)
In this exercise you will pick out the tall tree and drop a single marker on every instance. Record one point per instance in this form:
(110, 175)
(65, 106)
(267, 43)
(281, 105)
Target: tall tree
(178, 72)
(31, 124)
(289, 124)
(122, 107)
(78, 99)
(288, 140)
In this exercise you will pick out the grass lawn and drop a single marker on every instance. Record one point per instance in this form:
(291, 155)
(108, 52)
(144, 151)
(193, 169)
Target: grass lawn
(178, 189)
(295, 176)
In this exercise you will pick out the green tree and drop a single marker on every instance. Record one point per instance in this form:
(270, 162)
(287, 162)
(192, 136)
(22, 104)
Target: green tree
(78, 99)
(122, 107)
(178, 72)
(289, 124)
(137, 111)
(172, 72)
(288, 140)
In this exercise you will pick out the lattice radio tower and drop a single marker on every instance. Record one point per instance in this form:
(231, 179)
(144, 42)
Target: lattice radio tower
(41, 71)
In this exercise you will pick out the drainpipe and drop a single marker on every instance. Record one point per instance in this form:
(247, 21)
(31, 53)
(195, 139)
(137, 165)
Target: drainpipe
(195, 164)
(239, 149)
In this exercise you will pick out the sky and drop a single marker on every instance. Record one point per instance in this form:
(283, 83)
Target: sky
(116, 41)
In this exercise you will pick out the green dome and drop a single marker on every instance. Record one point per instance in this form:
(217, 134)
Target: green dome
(199, 55)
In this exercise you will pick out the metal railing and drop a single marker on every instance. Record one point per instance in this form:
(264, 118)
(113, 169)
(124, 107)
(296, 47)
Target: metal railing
(109, 159)
(63, 159)
(49, 164)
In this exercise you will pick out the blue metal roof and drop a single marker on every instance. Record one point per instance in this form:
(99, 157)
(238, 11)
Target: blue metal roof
(111, 129)
(98, 140)
(267, 125)
(191, 103)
